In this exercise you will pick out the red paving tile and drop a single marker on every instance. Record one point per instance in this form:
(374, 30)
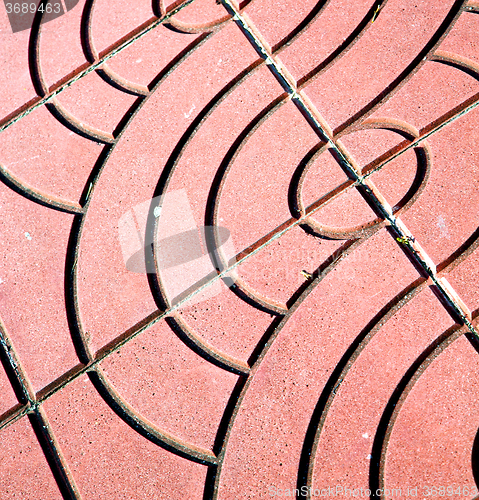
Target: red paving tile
(267, 434)
(83, 423)
(15, 83)
(32, 290)
(380, 56)
(332, 354)
(446, 215)
(48, 157)
(60, 46)
(434, 432)
(193, 394)
(395, 346)
(25, 473)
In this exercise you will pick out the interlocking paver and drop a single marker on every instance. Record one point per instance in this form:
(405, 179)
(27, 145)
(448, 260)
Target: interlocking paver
(377, 59)
(322, 333)
(60, 45)
(395, 346)
(25, 473)
(33, 306)
(445, 214)
(192, 395)
(130, 466)
(48, 157)
(268, 430)
(416, 106)
(432, 439)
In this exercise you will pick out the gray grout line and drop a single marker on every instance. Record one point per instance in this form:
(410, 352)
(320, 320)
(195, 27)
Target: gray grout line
(422, 138)
(299, 99)
(94, 66)
(369, 192)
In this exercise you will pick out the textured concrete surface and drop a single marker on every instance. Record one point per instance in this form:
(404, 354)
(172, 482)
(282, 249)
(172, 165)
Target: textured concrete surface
(239, 250)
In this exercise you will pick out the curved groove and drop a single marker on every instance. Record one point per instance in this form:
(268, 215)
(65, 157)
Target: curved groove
(37, 196)
(401, 127)
(412, 68)
(72, 123)
(399, 396)
(418, 185)
(203, 349)
(119, 83)
(53, 454)
(344, 47)
(321, 410)
(145, 428)
(232, 409)
(79, 337)
(457, 61)
(302, 26)
(104, 71)
(41, 88)
(129, 415)
(325, 401)
(220, 261)
(187, 28)
(457, 257)
(298, 178)
(156, 287)
(84, 69)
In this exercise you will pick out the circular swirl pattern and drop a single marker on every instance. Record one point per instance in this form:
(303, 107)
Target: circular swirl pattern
(258, 243)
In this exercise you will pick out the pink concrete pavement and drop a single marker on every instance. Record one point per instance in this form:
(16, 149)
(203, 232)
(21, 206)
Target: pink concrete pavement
(322, 341)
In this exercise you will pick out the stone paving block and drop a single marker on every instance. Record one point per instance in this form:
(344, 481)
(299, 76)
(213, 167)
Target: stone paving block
(464, 277)
(47, 156)
(15, 82)
(276, 20)
(323, 36)
(107, 457)
(25, 473)
(348, 442)
(60, 46)
(380, 56)
(333, 146)
(33, 307)
(402, 180)
(445, 214)
(366, 145)
(227, 323)
(192, 396)
(432, 440)
(95, 104)
(113, 22)
(347, 211)
(202, 156)
(416, 105)
(268, 431)
(8, 399)
(204, 15)
(143, 60)
(462, 39)
(282, 267)
(267, 159)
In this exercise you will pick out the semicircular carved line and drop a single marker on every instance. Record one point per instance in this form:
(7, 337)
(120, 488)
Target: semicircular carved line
(141, 425)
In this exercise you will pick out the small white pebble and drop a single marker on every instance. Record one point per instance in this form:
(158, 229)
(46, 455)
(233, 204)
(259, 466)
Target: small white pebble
(365, 435)
(157, 212)
(369, 457)
(28, 237)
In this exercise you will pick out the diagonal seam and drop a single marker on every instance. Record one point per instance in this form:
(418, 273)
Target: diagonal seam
(454, 304)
